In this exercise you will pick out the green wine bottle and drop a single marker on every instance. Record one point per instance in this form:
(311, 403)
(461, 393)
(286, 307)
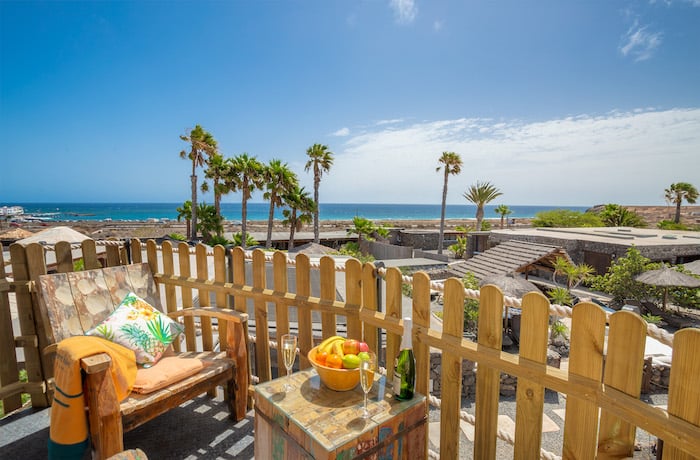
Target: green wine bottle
(405, 365)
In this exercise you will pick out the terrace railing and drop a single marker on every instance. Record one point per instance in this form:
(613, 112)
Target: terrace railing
(602, 383)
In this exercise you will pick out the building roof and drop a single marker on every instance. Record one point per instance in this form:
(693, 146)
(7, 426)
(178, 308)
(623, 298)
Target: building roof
(509, 257)
(622, 236)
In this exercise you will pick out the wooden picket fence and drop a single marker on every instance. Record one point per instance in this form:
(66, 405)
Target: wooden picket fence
(602, 384)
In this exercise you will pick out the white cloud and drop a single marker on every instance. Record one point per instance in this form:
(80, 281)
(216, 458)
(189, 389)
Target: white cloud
(389, 122)
(405, 11)
(342, 132)
(437, 25)
(640, 43)
(620, 157)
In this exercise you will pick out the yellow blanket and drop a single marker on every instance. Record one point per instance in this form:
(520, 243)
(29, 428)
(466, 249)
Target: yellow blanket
(68, 432)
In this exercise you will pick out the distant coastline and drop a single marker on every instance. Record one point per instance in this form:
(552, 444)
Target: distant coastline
(158, 212)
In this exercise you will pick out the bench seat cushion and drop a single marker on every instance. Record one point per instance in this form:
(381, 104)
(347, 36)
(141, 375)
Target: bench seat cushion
(216, 366)
(169, 370)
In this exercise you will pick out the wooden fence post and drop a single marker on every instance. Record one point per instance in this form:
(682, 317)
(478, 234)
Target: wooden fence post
(451, 379)
(353, 296)
(393, 310)
(488, 379)
(9, 370)
(262, 334)
(327, 271)
(303, 288)
(279, 263)
(369, 302)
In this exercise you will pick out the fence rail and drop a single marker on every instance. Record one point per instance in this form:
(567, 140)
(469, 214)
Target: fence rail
(602, 383)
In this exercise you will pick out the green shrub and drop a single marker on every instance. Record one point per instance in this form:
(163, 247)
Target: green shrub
(671, 225)
(566, 218)
(177, 236)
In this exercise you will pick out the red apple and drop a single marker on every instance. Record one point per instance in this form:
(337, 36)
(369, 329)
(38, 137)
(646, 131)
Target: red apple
(351, 346)
(364, 347)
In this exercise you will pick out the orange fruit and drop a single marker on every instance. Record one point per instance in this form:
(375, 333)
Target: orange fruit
(321, 358)
(335, 361)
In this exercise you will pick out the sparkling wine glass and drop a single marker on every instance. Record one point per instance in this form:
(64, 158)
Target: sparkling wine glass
(289, 354)
(368, 366)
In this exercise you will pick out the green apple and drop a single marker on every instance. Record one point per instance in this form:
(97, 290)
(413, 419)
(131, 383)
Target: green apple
(351, 361)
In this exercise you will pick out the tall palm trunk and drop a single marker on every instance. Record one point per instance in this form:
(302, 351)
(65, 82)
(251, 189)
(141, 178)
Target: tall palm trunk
(292, 228)
(244, 217)
(270, 217)
(479, 217)
(317, 183)
(677, 218)
(194, 202)
(441, 238)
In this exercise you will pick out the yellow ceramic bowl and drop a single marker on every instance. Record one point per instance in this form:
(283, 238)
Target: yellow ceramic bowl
(335, 379)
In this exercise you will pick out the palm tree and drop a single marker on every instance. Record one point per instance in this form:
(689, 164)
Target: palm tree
(216, 170)
(503, 211)
(480, 194)
(678, 192)
(245, 174)
(278, 180)
(451, 164)
(301, 208)
(202, 144)
(185, 212)
(320, 160)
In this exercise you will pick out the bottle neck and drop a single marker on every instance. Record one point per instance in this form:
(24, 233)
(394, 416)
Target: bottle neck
(406, 341)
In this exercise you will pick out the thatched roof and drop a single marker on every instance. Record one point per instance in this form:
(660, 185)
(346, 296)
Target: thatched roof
(312, 248)
(16, 234)
(53, 235)
(510, 257)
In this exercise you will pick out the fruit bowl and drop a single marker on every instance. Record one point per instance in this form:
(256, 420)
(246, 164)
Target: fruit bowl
(335, 379)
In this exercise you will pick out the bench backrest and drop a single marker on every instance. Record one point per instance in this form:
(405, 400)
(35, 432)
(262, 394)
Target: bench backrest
(78, 301)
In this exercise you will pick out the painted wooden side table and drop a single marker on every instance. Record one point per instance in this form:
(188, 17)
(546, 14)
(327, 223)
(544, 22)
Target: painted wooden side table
(312, 421)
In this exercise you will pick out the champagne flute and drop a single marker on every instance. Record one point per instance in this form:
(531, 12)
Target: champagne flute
(289, 354)
(368, 366)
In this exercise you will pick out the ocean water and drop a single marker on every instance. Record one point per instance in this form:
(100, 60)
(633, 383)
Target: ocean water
(259, 211)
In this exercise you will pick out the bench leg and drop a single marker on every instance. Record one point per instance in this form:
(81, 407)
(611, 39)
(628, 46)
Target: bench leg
(239, 352)
(104, 416)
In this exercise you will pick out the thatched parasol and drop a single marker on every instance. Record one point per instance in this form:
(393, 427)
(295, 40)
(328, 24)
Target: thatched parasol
(16, 234)
(667, 277)
(51, 236)
(510, 284)
(693, 267)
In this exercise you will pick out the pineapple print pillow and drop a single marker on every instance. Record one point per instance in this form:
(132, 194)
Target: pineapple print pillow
(136, 325)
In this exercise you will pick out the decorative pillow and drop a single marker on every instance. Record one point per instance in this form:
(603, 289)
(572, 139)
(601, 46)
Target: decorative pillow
(136, 325)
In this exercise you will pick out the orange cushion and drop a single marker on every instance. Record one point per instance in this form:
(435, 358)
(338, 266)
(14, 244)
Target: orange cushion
(168, 370)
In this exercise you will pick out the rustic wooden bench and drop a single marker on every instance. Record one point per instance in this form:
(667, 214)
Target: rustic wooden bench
(78, 301)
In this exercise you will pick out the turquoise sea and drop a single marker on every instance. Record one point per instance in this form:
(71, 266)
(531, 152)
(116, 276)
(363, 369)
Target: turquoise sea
(259, 211)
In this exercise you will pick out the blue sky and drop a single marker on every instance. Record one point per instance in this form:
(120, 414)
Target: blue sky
(555, 102)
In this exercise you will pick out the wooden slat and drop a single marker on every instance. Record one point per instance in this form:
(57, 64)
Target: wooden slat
(113, 256)
(90, 261)
(170, 303)
(183, 257)
(393, 310)
(136, 254)
(451, 379)
(64, 257)
(623, 371)
(279, 265)
(353, 295)
(421, 318)
(262, 348)
(303, 288)
(683, 390)
(239, 302)
(586, 360)
(369, 303)
(20, 272)
(221, 297)
(9, 371)
(488, 379)
(327, 271)
(534, 338)
(203, 274)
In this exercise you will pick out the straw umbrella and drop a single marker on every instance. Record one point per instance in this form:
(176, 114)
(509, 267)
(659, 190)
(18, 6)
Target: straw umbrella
(666, 277)
(693, 267)
(511, 285)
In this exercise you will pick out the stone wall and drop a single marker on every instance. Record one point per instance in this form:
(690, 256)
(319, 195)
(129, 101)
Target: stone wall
(509, 383)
